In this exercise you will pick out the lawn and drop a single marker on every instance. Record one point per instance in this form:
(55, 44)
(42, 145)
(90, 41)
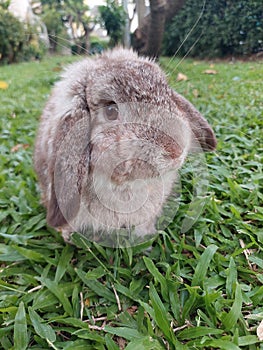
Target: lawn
(201, 289)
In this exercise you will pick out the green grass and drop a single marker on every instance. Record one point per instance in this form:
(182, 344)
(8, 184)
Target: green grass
(198, 290)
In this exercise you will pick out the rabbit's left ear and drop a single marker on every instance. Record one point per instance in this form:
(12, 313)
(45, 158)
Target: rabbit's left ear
(202, 131)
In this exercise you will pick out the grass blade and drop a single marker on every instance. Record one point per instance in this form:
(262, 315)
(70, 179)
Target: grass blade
(196, 332)
(20, 329)
(157, 276)
(110, 344)
(231, 277)
(63, 263)
(203, 264)
(229, 319)
(58, 292)
(96, 286)
(160, 314)
(43, 329)
(124, 332)
(145, 343)
(223, 345)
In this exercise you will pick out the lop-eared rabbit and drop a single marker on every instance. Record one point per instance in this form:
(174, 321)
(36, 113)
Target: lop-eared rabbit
(110, 142)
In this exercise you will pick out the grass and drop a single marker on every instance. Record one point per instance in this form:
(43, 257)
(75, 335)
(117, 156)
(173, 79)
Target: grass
(198, 290)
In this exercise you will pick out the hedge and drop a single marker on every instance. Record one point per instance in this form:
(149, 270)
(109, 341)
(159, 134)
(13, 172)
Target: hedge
(216, 28)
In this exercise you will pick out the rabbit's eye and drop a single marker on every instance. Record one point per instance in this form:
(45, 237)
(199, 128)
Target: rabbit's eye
(111, 112)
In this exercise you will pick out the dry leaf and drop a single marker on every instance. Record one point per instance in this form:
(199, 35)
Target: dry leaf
(195, 93)
(210, 71)
(3, 85)
(57, 68)
(181, 77)
(211, 65)
(260, 331)
(87, 302)
(19, 146)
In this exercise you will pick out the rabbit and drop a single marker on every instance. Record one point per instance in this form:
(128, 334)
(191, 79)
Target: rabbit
(111, 139)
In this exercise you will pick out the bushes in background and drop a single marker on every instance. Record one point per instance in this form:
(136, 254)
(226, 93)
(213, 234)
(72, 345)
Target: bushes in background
(97, 45)
(226, 27)
(18, 41)
(11, 37)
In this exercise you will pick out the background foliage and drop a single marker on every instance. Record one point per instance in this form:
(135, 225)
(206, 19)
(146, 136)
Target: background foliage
(208, 28)
(228, 27)
(112, 18)
(18, 41)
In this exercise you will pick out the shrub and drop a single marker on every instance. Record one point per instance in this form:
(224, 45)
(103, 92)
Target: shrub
(53, 21)
(97, 45)
(18, 41)
(12, 35)
(226, 27)
(112, 18)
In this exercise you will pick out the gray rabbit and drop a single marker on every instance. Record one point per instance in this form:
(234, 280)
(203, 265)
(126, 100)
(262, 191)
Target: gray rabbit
(110, 142)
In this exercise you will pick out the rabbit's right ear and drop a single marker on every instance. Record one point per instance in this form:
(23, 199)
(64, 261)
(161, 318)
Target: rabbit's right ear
(69, 166)
(202, 131)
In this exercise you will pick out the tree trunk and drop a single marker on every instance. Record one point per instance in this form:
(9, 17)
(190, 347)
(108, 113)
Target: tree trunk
(148, 37)
(87, 31)
(126, 35)
(87, 41)
(156, 28)
(141, 11)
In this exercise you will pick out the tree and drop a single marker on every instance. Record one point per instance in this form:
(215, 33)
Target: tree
(148, 37)
(73, 15)
(112, 18)
(52, 19)
(81, 25)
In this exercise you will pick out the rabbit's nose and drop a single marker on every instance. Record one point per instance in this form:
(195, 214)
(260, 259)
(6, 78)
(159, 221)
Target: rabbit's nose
(167, 144)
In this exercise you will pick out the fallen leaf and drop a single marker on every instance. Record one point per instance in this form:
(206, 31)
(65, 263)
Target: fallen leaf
(195, 93)
(260, 331)
(3, 85)
(210, 71)
(181, 77)
(19, 146)
(57, 68)
(87, 302)
(211, 65)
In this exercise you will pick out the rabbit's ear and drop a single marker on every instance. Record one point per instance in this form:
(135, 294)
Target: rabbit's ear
(62, 212)
(202, 131)
(69, 166)
(55, 217)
